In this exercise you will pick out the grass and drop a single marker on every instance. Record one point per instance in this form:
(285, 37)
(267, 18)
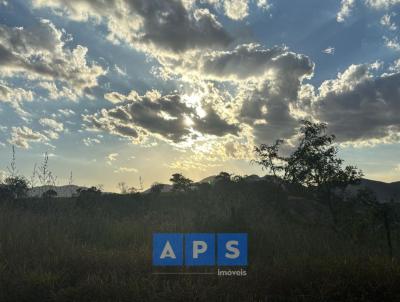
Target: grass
(99, 249)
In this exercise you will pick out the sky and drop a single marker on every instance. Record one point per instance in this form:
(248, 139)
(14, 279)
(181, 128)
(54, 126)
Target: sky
(121, 90)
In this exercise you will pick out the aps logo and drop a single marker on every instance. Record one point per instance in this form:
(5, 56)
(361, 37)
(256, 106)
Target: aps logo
(200, 249)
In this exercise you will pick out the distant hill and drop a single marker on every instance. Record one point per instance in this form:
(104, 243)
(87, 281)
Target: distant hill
(62, 191)
(384, 191)
(247, 178)
(164, 188)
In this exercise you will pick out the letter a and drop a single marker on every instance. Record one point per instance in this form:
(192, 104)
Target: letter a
(168, 252)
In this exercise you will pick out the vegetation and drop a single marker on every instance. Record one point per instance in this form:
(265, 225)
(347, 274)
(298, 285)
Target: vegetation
(98, 247)
(180, 183)
(314, 164)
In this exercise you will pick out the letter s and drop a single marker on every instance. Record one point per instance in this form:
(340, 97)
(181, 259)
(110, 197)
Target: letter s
(230, 246)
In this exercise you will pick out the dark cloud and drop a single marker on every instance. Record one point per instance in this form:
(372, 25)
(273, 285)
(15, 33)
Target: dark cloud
(358, 106)
(253, 61)
(277, 74)
(38, 52)
(166, 24)
(213, 124)
(268, 112)
(167, 116)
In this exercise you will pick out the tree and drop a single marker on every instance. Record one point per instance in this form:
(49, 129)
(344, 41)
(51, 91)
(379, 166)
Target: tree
(314, 164)
(17, 186)
(180, 183)
(269, 159)
(223, 177)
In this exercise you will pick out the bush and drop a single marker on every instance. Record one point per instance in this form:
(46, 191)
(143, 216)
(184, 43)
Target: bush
(16, 186)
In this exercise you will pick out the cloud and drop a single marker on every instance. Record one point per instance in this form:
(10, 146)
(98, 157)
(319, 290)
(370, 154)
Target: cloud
(267, 111)
(55, 93)
(88, 141)
(347, 6)
(213, 124)
(246, 62)
(125, 170)
(266, 81)
(386, 21)
(66, 112)
(149, 24)
(166, 117)
(345, 10)
(359, 107)
(22, 136)
(392, 43)
(329, 51)
(15, 97)
(112, 156)
(264, 4)
(115, 97)
(382, 4)
(236, 9)
(52, 124)
(39, 52)
(190, 165)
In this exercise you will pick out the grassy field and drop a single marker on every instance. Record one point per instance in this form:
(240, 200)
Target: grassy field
(99, 249)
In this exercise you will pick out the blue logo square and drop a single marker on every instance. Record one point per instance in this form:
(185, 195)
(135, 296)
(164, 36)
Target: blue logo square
(167, 249)
(232, 249)
(199, 249)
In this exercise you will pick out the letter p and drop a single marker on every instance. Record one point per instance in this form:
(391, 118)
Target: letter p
(199, 249)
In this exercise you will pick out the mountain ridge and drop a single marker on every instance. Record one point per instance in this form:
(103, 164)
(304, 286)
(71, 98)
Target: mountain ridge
(385, 191)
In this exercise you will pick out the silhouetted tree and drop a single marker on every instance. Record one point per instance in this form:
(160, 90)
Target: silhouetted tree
(223, 177)
(313, 164)
(17, 186)
(180, 183)
(269, 159)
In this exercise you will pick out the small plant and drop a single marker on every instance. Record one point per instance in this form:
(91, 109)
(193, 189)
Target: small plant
(45, 176)
(14, 186)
